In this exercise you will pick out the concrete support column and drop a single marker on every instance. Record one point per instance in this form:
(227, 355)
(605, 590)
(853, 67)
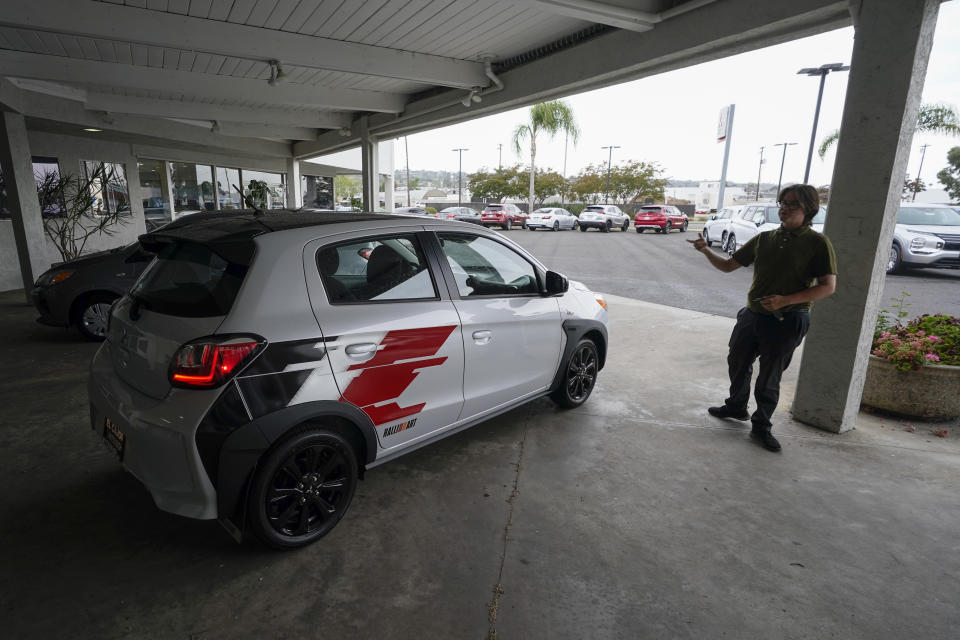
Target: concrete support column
(17, 165)
(388, 192)
(369, 166)
(294, 188)
(891, 46)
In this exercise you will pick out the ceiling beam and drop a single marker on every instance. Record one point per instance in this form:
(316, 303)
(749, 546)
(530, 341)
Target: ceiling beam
(601, 12)
(202, 111)
(711, 32)
(36, 66)
(71, 112)
(158, 28)
(253, 130)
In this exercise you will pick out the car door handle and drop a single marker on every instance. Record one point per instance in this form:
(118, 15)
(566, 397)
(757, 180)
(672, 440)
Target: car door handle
(482, 337)
(361, 351)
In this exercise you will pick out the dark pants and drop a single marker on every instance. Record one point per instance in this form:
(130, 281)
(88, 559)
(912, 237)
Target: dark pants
(773, 341)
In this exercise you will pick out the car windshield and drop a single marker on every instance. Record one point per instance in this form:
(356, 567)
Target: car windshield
(941, 216)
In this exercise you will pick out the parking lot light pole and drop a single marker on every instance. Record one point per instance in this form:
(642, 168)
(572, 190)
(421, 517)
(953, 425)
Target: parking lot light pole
(821, 71)
(782, 161)
(460, 177)
(609, 159)
(759, 171)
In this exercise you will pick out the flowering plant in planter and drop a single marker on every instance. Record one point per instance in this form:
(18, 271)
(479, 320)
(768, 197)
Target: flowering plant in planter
(927, 339)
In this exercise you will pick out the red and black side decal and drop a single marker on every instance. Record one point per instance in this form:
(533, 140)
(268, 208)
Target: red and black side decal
(385, 377)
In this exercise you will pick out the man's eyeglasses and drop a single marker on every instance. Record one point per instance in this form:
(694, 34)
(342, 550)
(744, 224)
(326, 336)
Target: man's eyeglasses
(789, 206)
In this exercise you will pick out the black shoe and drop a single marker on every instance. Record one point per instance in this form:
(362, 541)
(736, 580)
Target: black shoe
(727, 412)
(766, 439)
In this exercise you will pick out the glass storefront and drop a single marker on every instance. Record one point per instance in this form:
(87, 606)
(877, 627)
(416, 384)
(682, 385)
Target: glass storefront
(266, 189)
(108, 187)
(317, 191)
(192, 187)
(154, 182)
(228, 181)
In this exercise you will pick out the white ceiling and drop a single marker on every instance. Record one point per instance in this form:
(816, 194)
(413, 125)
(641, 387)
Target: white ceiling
(164, 68)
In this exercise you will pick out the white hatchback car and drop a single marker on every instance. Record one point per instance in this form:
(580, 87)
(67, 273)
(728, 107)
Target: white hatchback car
(603, 217)
(262, 362)
(554, 218)
(926, 235)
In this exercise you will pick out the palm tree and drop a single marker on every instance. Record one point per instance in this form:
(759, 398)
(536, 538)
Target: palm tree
(931, 118)
(550, 118)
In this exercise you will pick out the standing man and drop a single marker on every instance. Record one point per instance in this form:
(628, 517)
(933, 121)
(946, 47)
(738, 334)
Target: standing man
(793, 265)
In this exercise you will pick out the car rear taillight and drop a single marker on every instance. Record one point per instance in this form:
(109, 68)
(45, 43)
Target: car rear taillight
(210, 362)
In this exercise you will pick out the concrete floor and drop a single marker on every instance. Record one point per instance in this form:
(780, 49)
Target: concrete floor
(636, 516)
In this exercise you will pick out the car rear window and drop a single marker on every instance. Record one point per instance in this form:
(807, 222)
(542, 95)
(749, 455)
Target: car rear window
(190, 280)
(651, 209)
(594, 208)
(494, 207)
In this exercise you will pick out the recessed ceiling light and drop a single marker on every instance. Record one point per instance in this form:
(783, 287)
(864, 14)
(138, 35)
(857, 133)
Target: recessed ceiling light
(92, 129)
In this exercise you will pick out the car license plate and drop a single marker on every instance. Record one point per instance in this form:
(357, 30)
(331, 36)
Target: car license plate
(114, 437)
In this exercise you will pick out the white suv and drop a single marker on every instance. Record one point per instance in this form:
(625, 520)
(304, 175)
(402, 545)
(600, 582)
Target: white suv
(603, 217)
(756, 218)
(715, 229)
(263, 362)
(926, 235)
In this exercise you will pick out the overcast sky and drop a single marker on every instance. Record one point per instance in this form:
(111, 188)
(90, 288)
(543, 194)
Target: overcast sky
(672, 118)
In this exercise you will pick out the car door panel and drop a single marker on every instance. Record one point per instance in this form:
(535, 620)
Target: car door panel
(399, 361)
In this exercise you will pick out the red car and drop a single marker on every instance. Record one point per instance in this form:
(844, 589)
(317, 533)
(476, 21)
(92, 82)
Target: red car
(504, 216)
(660, 217)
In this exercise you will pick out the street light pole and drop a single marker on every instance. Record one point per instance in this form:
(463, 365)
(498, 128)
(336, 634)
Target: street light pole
(759, 171)
(821, 71)
(782, 161)
(460, 177)
(923, 152)
(500, 160)
(609, 160)
(406, 153)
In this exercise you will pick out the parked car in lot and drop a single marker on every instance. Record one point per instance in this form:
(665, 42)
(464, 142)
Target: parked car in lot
(79, 292)
(463, 214)
(603, 217)
(926, 235)
(411, 211)
(553, 218)
(248, 377)
(506, 216)
(754, 219)
(715, 229)
(661, 218)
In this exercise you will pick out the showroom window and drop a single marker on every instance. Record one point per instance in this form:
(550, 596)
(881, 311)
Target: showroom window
(50, 186)
(266, 189)
(154, 188)
(227, 195)
(192, 187)
(317, 191)
(108, 187)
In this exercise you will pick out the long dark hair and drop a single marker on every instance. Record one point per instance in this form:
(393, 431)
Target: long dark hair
(808, 197)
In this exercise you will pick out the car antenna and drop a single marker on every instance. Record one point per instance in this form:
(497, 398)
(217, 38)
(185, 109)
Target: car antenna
(257, 211)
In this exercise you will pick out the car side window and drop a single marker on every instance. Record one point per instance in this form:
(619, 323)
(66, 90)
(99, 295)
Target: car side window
(484, 267)
(380, 269)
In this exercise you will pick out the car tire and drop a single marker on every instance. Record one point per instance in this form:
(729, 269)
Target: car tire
(731, 245)
(579, 376)
(895, 259)
(92, 315)
(667, 227)
(683, 227)
(287, 512)
(556, 225)
(523, 225)
(606, 226)
(625, 225)
(706, 238)
(508, 225)
(576, 225)
(583, 228)
(639, 230)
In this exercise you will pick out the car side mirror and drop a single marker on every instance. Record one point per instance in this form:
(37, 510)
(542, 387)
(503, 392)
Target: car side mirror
(713, 217)
(556, 283)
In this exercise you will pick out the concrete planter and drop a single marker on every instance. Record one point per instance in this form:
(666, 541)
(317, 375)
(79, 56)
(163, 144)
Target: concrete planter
(931, 392)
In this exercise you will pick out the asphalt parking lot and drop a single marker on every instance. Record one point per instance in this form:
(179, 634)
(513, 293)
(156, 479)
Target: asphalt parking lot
(634, 516)
(666, 270)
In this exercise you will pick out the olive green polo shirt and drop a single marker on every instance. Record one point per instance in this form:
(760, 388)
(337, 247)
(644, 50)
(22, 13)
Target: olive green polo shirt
(786, 262)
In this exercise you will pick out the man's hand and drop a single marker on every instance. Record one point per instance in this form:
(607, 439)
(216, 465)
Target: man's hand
(698, 243)
(773, 302)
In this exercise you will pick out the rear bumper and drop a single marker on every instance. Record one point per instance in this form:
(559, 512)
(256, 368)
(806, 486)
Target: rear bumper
(593, 224)
(649, 225)
(159, 447)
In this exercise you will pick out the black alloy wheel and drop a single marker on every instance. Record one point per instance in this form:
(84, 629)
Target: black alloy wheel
(508, 225)
(731, 246)
(579, 376)
(523, 224)
(556, 225)
(302, 488)
(667, 227)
